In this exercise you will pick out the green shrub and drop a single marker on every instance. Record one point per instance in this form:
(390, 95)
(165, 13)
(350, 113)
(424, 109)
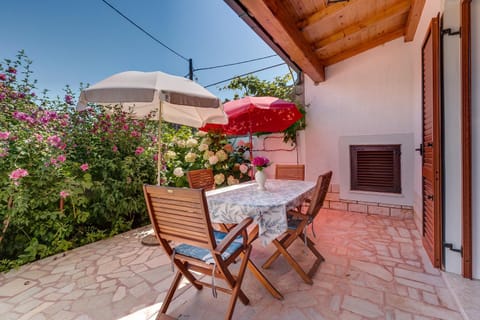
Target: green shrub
(69, 178)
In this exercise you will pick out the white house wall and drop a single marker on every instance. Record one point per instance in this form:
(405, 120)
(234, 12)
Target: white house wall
(369, 95)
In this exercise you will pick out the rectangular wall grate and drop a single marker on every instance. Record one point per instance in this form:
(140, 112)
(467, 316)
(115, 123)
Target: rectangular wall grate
(375, 168)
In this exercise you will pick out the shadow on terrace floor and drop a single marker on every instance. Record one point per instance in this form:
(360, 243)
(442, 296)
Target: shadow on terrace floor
(375, 268)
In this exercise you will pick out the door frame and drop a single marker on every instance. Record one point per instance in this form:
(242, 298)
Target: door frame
(466, 76)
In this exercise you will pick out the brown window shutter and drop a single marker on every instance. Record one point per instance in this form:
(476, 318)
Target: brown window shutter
(375, 168)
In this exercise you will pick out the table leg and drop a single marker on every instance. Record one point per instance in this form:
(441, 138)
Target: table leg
(252, 235)
(261, 277)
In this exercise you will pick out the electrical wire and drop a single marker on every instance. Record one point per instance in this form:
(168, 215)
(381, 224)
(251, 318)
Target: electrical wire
(143, 30)
(245, 74)
(234, 64)
(186, 59)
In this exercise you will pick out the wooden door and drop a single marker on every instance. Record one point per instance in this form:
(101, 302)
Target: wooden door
(431, 164)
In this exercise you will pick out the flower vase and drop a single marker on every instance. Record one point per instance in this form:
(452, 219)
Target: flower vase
(260, 178)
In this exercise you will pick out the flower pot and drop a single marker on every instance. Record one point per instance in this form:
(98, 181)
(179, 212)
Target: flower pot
(260, 178)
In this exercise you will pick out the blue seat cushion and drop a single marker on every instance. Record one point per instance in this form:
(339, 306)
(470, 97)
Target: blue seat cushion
(205, 254)
(293, 223)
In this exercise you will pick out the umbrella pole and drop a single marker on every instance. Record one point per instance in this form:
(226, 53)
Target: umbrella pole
(251, 154)
(159, 144)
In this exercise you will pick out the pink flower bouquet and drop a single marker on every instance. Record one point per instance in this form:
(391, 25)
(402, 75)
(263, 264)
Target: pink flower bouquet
(261, 162)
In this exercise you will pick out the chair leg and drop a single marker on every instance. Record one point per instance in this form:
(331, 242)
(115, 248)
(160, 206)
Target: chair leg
(311, 246)
(293, 263)
(263, 280)
(318, 261)
(170, 293)
(285, 242)
(188, 275)
(236, 289)
(272, 259)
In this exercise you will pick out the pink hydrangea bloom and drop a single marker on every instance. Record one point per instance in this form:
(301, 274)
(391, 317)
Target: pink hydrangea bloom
(243, 168)
(64, 194)
(18, 174)
(84, 167)
(54, 140)
(68, 99)
(4, 135)
(115, 148)
(61, 158)
(139, 150)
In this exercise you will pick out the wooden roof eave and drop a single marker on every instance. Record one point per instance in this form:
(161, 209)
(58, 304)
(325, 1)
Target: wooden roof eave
(276, 21)
(413, 19)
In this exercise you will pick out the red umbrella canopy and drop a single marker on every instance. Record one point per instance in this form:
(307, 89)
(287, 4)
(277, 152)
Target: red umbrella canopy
(257, 114)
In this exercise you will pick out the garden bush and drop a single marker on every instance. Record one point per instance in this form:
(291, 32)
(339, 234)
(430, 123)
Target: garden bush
(69, 178)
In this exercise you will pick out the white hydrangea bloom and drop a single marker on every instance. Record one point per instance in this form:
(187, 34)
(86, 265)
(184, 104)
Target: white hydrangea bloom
(213, 160)
(207, 155)
(201, 133)
(231, 180)
(180, 143)
(192, 143)
(190, 157)
(206, 141)
(203, 147)
(169, 155)
(219, 178)
(221, 155)
(178, 172)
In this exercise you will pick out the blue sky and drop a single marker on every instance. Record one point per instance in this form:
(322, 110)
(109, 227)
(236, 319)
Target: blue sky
(86, 41)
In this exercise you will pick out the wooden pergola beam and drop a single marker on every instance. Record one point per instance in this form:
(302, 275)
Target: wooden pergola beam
(364, 47)
(413, 19)
(392, 12)
(277, 21)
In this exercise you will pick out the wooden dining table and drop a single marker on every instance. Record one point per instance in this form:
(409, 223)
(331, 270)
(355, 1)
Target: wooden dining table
(268, 208)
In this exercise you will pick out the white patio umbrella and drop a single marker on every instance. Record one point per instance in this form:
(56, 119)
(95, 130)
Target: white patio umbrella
(175, 99)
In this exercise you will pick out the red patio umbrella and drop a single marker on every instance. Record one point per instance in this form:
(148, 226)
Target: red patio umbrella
(250, 115)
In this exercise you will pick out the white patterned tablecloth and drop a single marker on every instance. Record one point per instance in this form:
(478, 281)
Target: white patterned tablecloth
(268, 208)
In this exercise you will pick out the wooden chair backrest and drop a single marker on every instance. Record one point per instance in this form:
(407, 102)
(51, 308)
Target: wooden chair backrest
(201, 179)
(180, 215)
(319, 195)
(290, 171)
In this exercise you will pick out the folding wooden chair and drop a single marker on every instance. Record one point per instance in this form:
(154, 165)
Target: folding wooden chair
(201, 179)
(180, 216)
(297, 227)
(290, 171)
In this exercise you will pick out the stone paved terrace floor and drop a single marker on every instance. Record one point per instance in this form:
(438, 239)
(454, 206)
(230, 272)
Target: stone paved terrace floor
(375, 268)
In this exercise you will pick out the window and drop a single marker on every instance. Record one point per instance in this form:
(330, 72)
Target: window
(375, 168)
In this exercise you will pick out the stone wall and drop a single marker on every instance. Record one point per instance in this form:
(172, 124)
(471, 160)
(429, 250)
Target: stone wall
(333, 201)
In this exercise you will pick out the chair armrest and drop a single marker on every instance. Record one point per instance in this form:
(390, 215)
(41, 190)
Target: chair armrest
(233, 234)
